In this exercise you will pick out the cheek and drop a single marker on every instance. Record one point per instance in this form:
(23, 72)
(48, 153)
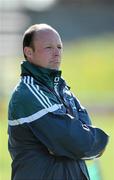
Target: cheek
(38, 55)
(42, 58)
(44, 53)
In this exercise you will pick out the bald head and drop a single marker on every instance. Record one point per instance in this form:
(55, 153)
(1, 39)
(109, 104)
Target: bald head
(32, 31)
(41, 36)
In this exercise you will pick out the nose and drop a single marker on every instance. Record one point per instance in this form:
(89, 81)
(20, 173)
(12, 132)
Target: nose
(57, 51)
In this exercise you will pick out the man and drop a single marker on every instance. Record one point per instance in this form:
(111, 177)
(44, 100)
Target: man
(50, 133)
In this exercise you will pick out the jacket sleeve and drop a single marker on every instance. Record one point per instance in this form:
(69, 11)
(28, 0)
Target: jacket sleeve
(62, 134)
(82, 112)
(67, 136)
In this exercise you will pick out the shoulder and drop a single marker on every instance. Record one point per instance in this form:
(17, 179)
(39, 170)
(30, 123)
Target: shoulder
(22, 102)
(21, 93)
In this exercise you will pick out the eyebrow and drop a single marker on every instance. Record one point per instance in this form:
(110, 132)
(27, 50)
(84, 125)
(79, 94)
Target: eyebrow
(49, 44)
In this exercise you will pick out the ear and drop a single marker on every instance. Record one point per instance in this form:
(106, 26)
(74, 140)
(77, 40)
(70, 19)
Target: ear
(28, 52)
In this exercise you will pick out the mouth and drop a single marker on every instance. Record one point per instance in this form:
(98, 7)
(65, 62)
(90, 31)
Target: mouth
(55, 62)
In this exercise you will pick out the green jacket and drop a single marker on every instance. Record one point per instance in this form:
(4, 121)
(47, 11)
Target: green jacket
(50, 133)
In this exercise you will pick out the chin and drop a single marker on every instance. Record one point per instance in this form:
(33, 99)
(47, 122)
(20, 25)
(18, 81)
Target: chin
(55, 68)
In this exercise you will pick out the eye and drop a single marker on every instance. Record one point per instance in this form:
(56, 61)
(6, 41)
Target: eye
(48, 47)
(59, 47)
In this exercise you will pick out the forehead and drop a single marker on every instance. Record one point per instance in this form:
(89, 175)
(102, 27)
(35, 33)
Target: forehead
(47, 36)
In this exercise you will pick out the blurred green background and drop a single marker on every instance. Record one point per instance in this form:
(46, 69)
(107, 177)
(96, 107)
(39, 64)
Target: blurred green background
(87, 66)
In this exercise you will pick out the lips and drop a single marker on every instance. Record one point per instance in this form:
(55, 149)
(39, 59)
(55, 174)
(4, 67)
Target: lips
(55, 62)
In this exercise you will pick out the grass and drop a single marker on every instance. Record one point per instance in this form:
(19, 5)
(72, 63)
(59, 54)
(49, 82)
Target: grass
(5, 160)
(89, 68)
(106, 161)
